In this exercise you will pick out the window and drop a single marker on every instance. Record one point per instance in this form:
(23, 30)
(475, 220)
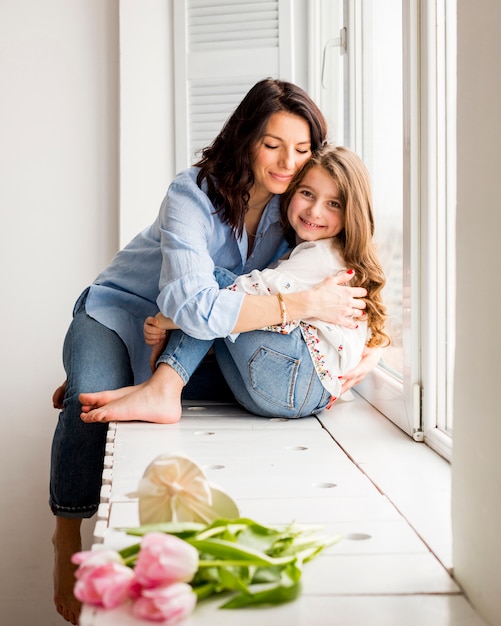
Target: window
(384, 74)
(394, 64)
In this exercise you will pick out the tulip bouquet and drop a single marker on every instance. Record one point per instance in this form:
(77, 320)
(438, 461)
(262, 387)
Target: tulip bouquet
(177, 563)
(193, 545)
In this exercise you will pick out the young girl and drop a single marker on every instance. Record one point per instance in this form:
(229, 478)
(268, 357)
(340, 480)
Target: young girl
(327, 214)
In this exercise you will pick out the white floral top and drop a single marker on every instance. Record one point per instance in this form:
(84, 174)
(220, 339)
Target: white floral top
(334, 349)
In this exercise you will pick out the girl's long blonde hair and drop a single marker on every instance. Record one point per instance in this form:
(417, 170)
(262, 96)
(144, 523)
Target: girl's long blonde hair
(355, 241)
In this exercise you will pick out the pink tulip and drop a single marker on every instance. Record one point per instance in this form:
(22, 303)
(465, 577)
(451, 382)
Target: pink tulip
(106, 585)
(165, 559)
(168, 604)
(88, 560)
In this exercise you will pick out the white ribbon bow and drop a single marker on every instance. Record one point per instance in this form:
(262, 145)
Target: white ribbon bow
(174, 488)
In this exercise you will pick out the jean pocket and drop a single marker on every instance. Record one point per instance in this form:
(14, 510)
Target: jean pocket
(273, 376)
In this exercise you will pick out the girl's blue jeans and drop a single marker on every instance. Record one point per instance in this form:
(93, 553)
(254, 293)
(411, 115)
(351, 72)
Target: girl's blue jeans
(268, 373)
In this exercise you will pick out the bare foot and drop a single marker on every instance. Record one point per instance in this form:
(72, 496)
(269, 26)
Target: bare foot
(98, 399)
(66, 541)
(157, 400)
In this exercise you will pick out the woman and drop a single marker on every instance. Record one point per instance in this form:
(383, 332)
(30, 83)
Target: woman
(222, 212)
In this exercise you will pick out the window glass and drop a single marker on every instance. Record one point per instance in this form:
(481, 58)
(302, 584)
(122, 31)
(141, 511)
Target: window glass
(380, 144)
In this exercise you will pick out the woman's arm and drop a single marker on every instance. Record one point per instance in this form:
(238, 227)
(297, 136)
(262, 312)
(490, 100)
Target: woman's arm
(330, 301)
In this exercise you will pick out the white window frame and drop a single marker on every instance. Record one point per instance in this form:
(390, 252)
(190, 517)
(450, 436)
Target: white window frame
(438, 185)
(420, 402)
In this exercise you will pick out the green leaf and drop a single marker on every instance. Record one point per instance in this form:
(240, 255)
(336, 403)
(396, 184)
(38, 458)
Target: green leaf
(180, 529)
(221, 549)
(130, 553)
(205, 590)
(259, 564)
(277, 594)
(233, 579)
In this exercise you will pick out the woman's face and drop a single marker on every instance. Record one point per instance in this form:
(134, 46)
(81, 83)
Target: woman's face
(278, 155)
(315, 210)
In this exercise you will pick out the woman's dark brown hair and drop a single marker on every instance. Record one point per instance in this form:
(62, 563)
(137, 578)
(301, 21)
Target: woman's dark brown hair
(225, 165)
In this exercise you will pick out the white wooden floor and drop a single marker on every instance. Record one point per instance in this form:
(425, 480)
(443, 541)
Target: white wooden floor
(351, 471)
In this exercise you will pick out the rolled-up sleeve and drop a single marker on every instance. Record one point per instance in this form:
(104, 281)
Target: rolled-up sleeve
(193, 241)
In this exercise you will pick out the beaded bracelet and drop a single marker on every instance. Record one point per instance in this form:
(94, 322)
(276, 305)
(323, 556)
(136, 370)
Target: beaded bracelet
(283, 308)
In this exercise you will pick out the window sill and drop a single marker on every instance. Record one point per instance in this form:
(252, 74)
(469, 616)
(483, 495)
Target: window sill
(412, 475)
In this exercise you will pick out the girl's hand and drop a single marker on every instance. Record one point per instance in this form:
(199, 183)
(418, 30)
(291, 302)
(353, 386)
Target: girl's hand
(153, 334)
(370, 358)
(336, 303)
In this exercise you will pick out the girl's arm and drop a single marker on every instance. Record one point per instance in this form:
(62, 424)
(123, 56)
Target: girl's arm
(370, 358)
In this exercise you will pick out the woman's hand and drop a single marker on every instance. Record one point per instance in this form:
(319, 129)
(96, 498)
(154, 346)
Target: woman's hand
(336, 303)
(370, 358)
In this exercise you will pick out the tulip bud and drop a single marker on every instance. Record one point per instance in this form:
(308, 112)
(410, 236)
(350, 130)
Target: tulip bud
(89, 560)
(107, 585)
(165, 559)
(168, 604)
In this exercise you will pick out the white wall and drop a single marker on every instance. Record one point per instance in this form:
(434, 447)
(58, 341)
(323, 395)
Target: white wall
(476, 487)
(146, 112)
(58, 228)
(59, 193)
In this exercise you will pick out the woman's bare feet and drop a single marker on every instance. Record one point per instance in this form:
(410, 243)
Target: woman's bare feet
(157, 400)
(94, 400)
(66, 541)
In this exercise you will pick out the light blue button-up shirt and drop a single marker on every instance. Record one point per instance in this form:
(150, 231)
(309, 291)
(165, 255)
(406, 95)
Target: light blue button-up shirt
(169, 267)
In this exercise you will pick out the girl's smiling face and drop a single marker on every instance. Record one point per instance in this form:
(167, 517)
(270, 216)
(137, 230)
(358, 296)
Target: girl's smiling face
(315, 210)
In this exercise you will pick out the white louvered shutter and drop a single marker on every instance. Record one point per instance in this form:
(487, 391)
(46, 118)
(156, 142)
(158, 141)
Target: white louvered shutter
(221, 48)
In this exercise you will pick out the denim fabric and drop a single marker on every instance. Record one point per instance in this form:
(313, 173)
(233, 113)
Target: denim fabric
(95, 359)
(184, 353)
(268, 373)
(208, 383)
(272, 374)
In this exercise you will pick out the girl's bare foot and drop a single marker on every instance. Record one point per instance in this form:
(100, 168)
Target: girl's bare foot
(157, 400)
(97, 399)
(66, 541)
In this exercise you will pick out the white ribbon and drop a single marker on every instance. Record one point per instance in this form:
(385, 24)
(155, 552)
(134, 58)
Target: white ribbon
(174, 488)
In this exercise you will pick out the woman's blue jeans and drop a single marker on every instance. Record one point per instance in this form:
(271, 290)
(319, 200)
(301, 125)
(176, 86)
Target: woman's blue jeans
(96, 359)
